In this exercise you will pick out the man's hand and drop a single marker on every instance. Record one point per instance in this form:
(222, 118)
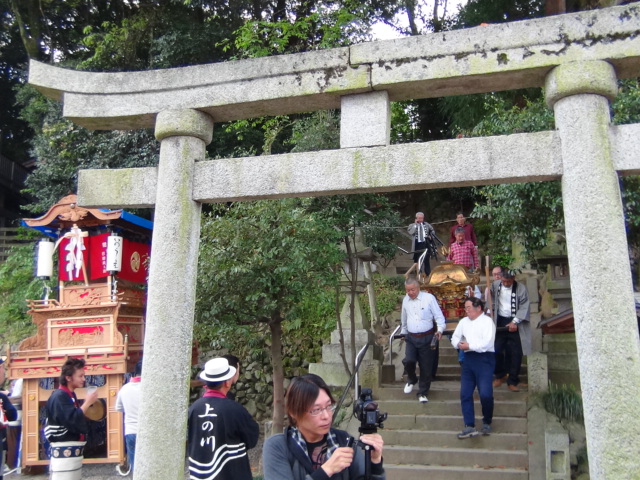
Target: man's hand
(438, 335)
(463, 345)
(375, 440)
(340, 460)
(513, 327)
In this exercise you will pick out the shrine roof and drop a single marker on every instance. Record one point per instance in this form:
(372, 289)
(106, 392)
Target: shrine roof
(67, 212)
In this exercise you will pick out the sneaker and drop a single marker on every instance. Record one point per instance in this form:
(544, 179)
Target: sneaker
(468, 432)
(423, 399)
(486, 429)
(408, 388)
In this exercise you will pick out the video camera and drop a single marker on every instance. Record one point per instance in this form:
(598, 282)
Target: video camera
(367, 412)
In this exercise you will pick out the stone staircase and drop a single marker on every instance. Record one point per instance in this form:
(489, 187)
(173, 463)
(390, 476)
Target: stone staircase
(420, 439)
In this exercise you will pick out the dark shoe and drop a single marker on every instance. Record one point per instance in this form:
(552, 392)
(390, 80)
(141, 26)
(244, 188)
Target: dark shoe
(513, 388)
(486, 429)
(468, 432)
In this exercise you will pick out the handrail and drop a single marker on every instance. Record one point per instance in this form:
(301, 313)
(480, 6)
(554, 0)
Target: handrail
(359, 357)
(391, 339)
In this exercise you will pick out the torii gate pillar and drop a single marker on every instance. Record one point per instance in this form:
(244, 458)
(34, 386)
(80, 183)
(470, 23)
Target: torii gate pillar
(184, 135)
(605, 320)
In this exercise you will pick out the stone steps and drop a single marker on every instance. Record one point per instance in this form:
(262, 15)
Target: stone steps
(504, 408)
(421, 439)
(442, 390)
(447, 438)
(451, 422)
(455, 456)
(443, 472)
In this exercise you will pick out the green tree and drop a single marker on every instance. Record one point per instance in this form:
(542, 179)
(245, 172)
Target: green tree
(530, 211)
(17, 283)
(258, 261)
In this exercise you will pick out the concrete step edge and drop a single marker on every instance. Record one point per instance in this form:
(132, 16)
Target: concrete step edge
(460, 450)
(426, 414)
(452, 432)
(453, 468)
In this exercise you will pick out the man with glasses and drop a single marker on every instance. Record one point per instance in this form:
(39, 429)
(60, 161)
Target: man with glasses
(475, 336)
(220, 430)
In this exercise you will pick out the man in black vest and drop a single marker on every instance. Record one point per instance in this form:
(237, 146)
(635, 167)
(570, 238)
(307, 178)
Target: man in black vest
(510, 310)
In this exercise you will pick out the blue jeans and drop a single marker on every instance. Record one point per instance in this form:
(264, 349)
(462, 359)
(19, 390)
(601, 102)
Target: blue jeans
(130, 442)
(477, 371)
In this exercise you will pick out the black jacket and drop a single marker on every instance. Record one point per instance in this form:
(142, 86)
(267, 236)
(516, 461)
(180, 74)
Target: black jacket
(65, 420)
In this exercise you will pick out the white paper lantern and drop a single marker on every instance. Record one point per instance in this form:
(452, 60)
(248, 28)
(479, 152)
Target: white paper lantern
(44, 266)
(114, 253)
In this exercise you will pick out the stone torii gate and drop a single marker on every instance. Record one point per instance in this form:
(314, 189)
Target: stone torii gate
(577, 57)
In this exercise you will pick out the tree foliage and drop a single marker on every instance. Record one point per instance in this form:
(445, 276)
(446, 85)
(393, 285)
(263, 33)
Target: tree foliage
(530, 211)
(258, 262)
(17, 283)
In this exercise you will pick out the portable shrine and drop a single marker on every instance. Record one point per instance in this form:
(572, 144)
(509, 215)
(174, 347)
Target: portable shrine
(97, 314)
(450, 284)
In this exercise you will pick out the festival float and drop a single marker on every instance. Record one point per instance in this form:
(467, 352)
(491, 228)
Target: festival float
(97, 314)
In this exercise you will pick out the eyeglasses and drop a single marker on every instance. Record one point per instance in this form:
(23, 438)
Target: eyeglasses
(318, 411)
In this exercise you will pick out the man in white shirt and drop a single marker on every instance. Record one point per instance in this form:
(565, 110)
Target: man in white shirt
(422, 319)
(475, 335)
(128, 402)
(511, 310)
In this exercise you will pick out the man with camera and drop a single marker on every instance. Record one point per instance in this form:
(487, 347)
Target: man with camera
(311, 449)
(422, 321)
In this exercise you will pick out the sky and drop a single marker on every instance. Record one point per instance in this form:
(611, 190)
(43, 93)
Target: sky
(382, 31)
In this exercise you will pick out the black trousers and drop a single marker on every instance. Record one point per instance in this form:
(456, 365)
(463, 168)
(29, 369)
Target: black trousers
(418, 351)
(419, 249)
(508, 355)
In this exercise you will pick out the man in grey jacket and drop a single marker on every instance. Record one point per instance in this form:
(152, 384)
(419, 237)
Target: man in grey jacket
(511, 309)
(423, 240)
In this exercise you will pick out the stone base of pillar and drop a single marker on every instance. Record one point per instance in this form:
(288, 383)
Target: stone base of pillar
(538, 373)
(334, 374)
(332, 367)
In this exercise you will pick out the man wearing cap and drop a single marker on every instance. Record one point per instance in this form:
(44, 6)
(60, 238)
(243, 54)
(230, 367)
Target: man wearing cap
(128, 402)
(8, 413)
(511, 310)
(220, 430)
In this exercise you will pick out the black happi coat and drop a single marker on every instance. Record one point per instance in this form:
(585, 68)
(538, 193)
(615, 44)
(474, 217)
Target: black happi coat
(220, 431)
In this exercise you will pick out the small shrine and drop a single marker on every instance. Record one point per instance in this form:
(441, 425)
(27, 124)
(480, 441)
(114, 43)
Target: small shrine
(450, 284)
(97, 314)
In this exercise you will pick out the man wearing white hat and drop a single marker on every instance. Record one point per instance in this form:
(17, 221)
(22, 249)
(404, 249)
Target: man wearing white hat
(220, 431)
